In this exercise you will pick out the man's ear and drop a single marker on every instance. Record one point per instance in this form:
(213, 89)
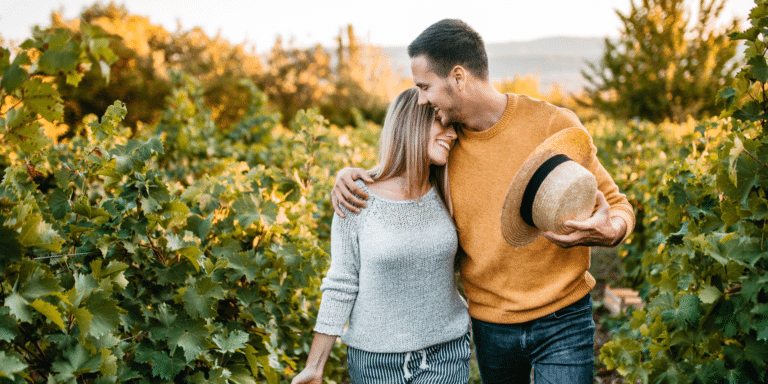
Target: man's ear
(458, 76)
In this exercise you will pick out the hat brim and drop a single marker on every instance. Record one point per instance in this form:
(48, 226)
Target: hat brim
(572, 142)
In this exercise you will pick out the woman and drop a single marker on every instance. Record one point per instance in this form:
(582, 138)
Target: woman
(391, 274)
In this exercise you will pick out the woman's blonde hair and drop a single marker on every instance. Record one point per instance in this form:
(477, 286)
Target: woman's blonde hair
(404, 142)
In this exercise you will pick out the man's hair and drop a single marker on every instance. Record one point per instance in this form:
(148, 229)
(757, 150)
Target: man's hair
(448, 43)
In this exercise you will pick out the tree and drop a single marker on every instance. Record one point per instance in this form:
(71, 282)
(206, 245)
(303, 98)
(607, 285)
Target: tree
(146, 52)
(664, 65)
(364, 82)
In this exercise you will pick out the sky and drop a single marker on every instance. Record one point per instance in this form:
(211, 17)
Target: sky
(383, 23)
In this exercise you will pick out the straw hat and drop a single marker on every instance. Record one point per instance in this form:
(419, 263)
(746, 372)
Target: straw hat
(551, 187)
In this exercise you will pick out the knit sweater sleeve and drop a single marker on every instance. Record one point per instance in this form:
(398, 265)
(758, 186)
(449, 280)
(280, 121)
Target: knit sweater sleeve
(619, 205)
(340, 286)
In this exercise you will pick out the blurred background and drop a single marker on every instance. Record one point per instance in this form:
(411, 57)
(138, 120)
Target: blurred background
(165, 168)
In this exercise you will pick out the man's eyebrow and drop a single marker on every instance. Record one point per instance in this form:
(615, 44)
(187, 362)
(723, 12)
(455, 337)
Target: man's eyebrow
(420, 84)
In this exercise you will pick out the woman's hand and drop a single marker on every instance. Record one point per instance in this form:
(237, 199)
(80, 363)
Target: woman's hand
(308, 376)
(322, 345)
(345, 191)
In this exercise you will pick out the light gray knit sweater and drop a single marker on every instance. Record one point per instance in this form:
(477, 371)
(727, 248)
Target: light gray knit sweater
(392, 277)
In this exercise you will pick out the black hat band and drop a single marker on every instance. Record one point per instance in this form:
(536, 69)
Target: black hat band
(526, 205)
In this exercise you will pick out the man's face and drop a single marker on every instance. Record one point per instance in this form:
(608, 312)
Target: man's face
(435, 91)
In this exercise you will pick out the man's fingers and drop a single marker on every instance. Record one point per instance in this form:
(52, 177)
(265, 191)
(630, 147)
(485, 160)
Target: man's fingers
(339, 198)
(580, 225)
(601, 201)
(593, 221)
(335, 204)
(354, 196)
(563, 241)
(362, 174)
(349, 206)
(353, 191)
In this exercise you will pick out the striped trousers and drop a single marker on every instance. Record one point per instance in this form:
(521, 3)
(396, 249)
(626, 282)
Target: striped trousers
(446, 363)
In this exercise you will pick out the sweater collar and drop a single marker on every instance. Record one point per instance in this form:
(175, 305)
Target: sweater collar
(499, 126)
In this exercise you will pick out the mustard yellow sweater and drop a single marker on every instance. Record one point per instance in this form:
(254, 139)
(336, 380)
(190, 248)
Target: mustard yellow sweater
(505, 284)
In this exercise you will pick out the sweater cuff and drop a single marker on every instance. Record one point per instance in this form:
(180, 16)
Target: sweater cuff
(334, 313)
(628, 217)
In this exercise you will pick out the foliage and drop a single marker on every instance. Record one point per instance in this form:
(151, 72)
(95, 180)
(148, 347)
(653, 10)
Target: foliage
(706, 319)
(186, 253)
(666, 63)
(637, 154)
(146, 52)
(355, 82)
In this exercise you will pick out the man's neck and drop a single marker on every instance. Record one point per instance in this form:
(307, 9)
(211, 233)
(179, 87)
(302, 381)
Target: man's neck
(485, 108)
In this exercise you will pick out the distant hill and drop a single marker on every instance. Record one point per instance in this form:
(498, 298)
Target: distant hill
(556, 60)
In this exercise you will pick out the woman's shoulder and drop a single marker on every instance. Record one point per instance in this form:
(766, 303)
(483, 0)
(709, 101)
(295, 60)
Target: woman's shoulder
(352, 215)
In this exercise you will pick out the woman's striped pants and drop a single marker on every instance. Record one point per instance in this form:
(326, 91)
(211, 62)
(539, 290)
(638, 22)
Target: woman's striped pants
(446, 363)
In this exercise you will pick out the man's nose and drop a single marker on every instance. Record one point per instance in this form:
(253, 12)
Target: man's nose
(422, 98)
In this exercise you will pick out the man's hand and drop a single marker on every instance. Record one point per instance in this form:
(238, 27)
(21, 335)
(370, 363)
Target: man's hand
(346, 192)
(599, 230)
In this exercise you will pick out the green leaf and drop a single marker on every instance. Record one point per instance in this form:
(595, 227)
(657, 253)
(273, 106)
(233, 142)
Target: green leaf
(758, 68)
(762, 329)
(269, 372)
(77, 361)
(727, 94)
(63, 177)
(107, 127)
(5, 59)
(149, 205)
(10, 247)
(687, 313)
(106, 314)
(726, 318)
(15, 75)
(235, 341)
(709, 294)
(96, 215)
(19, 307)
(114, 268)
(250, 356)
(176, 213)
(29, 137)
(43, 98)
(191, 338)
(166, 367)
(166, 315)
(193, 254)
(85, 285)
(58, 202)
(83, 319)
(242, 264)
(756, 352)
(10, 364)
(60, 59)
(35, 281)
(8, 327)
(50, 311)
(201, 300)
(108, 365)
(36, 233)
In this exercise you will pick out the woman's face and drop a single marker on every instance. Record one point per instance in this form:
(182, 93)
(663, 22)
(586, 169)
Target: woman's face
(441, 140)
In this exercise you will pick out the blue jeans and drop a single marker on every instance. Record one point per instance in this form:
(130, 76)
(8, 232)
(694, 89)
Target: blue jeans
(558, 346)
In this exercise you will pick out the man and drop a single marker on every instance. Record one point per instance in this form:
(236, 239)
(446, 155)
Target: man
(530, 306)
